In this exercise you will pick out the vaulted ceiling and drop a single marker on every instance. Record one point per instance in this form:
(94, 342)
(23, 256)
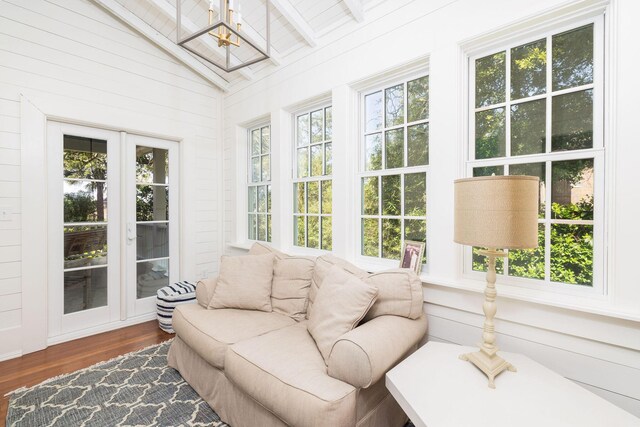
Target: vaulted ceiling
(295, 25)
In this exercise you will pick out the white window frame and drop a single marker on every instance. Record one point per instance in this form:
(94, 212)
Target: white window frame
(376, 263)
(598, 287)
(309, 178)
(250, 183)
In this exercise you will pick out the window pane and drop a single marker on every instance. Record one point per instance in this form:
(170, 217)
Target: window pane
(373, 111)
(85, 201)
(268, 199)
(316, 160)
(252, 201)
(418, 99)
(84, 158)
(303, 162)
(572, 121)
(266, 168)
(528, 127)
(529, 69)
(151, 276)
(152, 241)
(394, 105)
(268, 228)
(373, 152)
(488, 171)
(391, 238)
(313, 232)
(572, 189)
(253, 224)
(313, 196)
(490, 133)
(255, 142)
(480, 262)
(415, 194)
(573, 58)
(418, 145)
(262, 198)
(534, 169)
(490, 79)
(85, 246)
(326, 233)
(370, 196)
(152, 203)
(416, 230)
(299, 205)
(572, 254)
(370, 237)
(328, 130)
(326, 197)
(391, 195)
(302, 130)
(316, 126)
(299, 231)
(152, 165)
(262, 227)
(85, 289)
(266, 139)
(530, 262)
(394, 148)
(255, 169)
(328, 158)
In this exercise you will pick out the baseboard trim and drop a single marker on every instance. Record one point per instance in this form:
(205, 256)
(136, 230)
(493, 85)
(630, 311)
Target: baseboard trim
(10, 355)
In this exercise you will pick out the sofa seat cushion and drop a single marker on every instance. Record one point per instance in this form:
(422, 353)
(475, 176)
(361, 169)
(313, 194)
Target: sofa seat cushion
(284, 371)
(210, 332)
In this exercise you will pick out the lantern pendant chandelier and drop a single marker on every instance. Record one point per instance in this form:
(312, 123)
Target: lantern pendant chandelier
(228, 34)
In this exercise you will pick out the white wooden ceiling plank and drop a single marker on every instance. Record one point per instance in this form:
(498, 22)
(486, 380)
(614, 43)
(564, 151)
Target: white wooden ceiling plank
(133, 21)
(291, 14)
(356, 9)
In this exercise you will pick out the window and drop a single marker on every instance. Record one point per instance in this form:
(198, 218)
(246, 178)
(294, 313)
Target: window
(393, 178)
(312, 182)
(259, 187)
(536, 109)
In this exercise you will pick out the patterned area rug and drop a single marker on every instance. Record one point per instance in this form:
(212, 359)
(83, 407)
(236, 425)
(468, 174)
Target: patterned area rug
(134, 389)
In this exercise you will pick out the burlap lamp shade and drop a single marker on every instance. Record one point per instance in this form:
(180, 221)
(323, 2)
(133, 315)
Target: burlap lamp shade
(497, 212)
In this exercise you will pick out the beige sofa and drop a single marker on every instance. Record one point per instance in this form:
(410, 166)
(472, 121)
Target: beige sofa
(259, 368)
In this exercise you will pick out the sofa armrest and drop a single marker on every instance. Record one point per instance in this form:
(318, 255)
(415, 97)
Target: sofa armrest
(204, 290)
(363, 355)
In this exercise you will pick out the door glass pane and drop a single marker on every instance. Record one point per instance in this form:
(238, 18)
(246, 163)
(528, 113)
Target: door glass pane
(85, 289)
(152, 240)
(151, 276)
(85, 201)
(85, 246)
(152, 203)
(84, 158)
(152, 165)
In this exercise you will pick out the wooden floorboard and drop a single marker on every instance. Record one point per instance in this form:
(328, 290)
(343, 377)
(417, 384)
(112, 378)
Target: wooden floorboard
(59, 359)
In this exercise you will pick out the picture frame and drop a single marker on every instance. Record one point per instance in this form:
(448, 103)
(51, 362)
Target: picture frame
(412, 253)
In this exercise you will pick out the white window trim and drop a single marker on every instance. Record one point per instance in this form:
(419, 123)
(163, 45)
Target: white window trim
(248, 156)
(319, 179)
(392, 79)
(519, 34)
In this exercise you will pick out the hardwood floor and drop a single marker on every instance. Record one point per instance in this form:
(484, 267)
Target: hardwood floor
(36, 367)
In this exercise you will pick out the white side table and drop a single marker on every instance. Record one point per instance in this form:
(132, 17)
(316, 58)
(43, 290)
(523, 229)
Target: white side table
(437, 389)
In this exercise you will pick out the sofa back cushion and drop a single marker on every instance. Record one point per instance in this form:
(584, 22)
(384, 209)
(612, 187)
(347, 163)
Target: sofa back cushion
(399, 294)
(244, 282)
(290, 289)
(259, 248)
(340, 304)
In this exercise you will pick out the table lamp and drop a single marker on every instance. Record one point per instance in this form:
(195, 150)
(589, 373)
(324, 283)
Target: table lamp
(495, 212)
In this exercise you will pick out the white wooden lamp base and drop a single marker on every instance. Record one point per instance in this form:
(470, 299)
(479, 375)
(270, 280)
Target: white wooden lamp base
(486, 359)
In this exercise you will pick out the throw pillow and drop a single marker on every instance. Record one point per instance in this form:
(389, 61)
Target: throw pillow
(399, 294)
(291, 282)
(244, 282)
(341, 302)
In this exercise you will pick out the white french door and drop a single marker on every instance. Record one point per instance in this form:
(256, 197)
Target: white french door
(152, 219)
(113, 226)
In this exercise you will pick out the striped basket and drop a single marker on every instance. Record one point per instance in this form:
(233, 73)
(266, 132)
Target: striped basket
(171, 296)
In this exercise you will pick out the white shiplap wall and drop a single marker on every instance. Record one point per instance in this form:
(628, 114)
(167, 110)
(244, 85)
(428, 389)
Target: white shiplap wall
(596, 344)
(73, 60)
